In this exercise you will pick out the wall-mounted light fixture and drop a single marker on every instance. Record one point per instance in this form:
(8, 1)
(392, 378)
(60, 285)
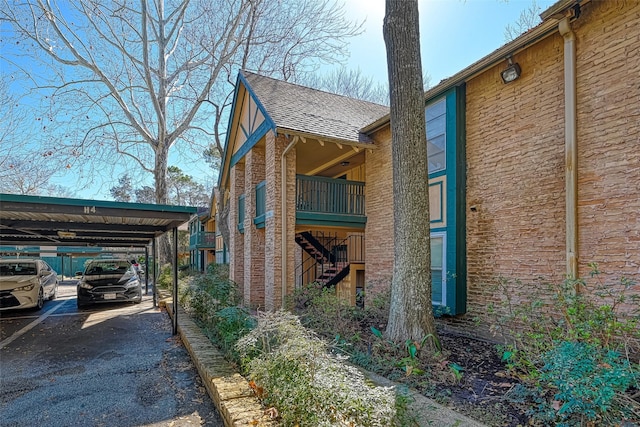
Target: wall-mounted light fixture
(512, 72)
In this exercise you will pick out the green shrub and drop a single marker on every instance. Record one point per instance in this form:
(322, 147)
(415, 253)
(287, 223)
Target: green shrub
(165, 277)
(574, 344)
(307, 384)
(212, 300)
(587, 382)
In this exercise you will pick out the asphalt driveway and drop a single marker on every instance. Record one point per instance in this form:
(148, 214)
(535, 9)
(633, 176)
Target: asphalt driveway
(110, 365)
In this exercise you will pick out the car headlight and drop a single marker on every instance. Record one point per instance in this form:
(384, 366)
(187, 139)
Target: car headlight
(28, 287)
(132, 283)
(85, 285)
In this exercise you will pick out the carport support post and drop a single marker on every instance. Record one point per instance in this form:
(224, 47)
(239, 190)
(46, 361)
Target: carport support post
(146, 273)
(175, 280)
(154, 254)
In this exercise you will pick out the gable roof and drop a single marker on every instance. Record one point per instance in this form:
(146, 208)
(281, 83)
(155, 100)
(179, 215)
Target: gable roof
(311, 111)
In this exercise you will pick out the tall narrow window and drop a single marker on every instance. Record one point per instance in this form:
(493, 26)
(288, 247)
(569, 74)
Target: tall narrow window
(436, 116)
(438, 280)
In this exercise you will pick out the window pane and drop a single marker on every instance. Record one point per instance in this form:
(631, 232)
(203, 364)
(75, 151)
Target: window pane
(437, 257)
(436, 127)
(435, 110)
(436, 253)
(436, 116)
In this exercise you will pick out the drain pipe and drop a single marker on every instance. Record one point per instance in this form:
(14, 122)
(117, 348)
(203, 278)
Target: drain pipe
(283, 193)
(571, 147)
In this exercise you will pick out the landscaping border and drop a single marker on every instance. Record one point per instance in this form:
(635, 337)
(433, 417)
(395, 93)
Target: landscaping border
(237, 403)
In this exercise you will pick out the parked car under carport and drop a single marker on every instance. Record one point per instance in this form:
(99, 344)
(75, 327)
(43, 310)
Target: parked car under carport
(26, 283)
(108, 280)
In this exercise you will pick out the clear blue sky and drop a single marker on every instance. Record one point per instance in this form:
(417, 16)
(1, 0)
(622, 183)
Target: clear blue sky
(454, 33)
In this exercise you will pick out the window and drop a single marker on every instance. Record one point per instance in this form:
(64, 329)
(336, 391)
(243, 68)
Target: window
(261, 203)
(436, 117)
(241, 213)
(438, 280)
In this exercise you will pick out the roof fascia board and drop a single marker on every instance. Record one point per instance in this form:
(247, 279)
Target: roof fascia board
(361, 145)
(222, 176)
(250, 143)
(231, 160)
(51, 203)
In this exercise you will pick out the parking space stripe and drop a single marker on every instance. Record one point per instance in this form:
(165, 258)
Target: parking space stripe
(30, 326)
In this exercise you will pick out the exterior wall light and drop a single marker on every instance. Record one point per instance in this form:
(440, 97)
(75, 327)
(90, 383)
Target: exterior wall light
(511, 73)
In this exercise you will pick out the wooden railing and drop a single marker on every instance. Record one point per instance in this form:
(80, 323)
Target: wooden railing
(203, 239)
(327, 195)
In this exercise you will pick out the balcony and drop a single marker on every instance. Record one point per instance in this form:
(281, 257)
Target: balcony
(332, 202)
(203, 240)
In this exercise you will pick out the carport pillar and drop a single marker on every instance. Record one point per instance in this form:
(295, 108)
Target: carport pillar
(175, 280)
(146, 272)
(154, 255)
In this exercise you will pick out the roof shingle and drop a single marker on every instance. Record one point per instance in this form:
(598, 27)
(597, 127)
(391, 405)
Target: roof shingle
(312, 111)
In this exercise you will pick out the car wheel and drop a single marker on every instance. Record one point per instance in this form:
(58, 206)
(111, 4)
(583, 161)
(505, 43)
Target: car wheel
(40, 302)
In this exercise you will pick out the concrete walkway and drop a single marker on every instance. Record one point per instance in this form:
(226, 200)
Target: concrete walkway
(237, 403)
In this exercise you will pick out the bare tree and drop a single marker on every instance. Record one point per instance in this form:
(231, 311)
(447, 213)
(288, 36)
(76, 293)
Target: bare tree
(351, 83)
(529, 18)
(138, 78)
(411, 312)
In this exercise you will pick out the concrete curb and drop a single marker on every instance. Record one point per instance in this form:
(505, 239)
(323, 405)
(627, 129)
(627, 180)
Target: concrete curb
(237, 402)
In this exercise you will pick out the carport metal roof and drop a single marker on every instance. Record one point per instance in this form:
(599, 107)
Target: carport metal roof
(51, 221)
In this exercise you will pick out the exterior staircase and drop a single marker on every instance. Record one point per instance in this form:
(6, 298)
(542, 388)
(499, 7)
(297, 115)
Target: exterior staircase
(329, 268)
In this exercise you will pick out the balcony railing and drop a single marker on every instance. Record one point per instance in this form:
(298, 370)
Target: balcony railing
(203, 240)
(331, 196)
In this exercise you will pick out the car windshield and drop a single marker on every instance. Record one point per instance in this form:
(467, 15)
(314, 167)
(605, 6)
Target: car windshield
(107, 267)
(18, 269)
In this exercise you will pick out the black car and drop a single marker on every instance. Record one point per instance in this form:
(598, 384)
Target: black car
(109, 280)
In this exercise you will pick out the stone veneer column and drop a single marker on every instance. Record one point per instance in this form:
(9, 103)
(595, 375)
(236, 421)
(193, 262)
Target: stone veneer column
(236, 244)
(291, 220)
(273, 240)
(254, 247)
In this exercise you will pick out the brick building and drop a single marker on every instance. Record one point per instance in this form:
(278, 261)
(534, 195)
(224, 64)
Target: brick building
(534, 171)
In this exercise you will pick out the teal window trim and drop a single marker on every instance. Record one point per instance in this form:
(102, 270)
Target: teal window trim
(261, 204)
(241, 213)
(455, 230)
(260, 221)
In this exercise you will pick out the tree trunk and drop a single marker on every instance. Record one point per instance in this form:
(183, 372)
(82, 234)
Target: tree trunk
(160, 175)
(411, 312)
(223, 216)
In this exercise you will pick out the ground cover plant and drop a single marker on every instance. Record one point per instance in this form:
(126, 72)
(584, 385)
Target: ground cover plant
(577, 359)
(573, 369)
(296, 377)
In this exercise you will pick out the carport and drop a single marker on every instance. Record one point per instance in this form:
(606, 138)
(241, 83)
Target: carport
(61, 222)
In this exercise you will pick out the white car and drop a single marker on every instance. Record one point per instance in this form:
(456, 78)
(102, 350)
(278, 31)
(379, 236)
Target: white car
(26, 283)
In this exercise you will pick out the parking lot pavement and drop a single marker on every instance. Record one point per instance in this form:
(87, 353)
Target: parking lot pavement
(110, 365)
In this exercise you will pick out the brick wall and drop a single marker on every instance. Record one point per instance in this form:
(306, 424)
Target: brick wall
(236, 244)
(515, 163)
(515, 177)
(254, 238)
(608, 91)
(379, 211)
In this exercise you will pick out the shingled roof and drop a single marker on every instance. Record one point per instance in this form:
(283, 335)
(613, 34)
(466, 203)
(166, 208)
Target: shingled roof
(306, 110)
